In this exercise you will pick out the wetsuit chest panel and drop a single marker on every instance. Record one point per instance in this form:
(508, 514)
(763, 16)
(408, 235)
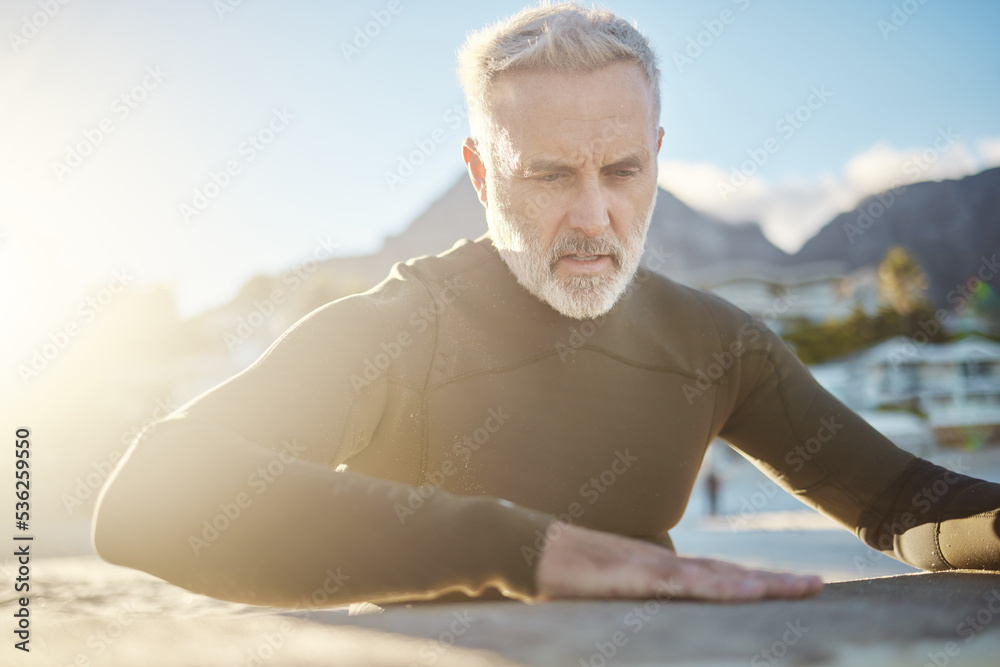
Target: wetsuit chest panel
(610, 444)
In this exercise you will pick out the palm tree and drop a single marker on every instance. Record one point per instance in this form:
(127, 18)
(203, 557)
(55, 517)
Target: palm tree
(902, 284)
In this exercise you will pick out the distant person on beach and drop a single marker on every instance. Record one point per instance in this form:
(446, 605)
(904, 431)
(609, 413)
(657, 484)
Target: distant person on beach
(525, 413)
(713, 484)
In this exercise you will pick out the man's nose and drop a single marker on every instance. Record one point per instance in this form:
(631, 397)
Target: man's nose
(588, 213)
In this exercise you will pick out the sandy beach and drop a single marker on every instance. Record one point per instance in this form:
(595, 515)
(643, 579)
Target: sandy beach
(85, 612)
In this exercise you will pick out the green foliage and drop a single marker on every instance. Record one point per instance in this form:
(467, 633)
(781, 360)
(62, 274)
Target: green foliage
(902, 284)
(817, 343)
(901, 287)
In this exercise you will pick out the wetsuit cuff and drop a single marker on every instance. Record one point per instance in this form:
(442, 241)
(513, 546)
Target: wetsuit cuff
(507, 540)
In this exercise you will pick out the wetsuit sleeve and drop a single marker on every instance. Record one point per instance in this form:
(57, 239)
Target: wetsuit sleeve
(237, 495)
(833, 460)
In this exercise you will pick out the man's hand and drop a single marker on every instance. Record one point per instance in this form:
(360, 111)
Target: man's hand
(578, 562)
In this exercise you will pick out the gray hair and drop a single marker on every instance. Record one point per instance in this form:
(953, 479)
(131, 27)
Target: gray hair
(563, 37)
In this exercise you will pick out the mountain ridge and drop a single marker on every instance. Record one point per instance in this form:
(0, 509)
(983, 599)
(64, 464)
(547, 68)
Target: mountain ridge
(949, 226)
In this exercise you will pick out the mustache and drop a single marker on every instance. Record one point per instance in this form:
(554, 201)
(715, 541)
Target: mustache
(585, 246)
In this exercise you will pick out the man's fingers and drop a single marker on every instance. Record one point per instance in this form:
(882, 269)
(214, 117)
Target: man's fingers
(708, 581)
(802, 585)
(587, 563)
(717, 580)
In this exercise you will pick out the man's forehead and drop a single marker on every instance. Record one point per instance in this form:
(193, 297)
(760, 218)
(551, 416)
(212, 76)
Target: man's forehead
(594, 155)
(522, 87)
(603, 115)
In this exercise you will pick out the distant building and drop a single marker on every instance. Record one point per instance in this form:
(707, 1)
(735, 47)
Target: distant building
(956, 386)
(788, 295)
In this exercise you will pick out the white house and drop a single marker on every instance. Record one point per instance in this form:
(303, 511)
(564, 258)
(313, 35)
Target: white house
(783, 295)
(955, 385)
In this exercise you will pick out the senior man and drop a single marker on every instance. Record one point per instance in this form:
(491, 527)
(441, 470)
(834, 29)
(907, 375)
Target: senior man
(421, 438)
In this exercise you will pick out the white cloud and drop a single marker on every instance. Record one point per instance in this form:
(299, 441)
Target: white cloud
(989, 149)
(792, 211)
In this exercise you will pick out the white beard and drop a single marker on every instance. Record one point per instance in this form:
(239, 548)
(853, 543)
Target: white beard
(579, 297)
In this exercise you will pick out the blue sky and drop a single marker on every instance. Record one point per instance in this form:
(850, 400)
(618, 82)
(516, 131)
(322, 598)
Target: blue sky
(198, 80)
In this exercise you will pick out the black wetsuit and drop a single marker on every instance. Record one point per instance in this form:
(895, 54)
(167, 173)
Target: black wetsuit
(452, 376)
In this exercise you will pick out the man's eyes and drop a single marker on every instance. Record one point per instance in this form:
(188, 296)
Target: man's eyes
(620, 173)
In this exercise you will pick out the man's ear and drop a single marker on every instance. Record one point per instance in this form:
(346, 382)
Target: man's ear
(477, 170)
(659, 140)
